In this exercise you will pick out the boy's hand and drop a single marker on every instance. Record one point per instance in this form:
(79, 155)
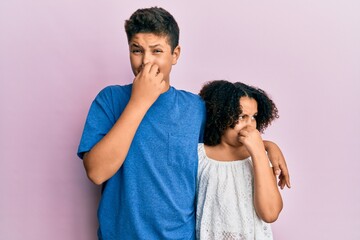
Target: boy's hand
(148, 85)
(279, 164)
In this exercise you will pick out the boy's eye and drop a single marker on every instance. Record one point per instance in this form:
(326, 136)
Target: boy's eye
(136, 51)
(157, 51)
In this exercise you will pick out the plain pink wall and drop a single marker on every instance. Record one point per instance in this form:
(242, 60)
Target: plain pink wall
(56, 55)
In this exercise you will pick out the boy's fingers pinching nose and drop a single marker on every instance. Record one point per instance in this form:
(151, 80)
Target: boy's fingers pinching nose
(154, 70)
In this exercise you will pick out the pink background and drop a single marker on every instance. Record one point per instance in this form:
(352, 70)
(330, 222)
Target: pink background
(55, 56)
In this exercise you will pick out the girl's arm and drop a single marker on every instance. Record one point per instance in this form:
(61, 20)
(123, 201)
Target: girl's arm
(267, 199)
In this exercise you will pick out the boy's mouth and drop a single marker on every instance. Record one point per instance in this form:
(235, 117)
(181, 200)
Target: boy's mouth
(141, 68)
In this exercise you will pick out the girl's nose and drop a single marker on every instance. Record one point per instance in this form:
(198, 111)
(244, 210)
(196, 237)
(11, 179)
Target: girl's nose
(250, 124)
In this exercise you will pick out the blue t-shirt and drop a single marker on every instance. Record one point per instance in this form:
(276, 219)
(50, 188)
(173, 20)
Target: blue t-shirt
(152, 196)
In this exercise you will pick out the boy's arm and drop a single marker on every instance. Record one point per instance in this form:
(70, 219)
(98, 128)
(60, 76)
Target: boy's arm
(267, 199)
(108, 155)
(279, 164)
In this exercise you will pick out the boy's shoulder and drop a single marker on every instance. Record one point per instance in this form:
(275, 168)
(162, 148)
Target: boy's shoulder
(115, 93)
(114, 96)
(193, 102)
(116, 89)
(189, 95)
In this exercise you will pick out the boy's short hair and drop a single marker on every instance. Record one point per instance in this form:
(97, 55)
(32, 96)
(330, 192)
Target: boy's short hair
(154, 20)
(223, 108)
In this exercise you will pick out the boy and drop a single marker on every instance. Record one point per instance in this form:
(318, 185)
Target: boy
(140, 140)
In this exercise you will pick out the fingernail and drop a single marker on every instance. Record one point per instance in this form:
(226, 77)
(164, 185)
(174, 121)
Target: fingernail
(277, 172)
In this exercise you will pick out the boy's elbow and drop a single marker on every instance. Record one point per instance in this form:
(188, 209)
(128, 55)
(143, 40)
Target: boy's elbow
(93, 175)
(99, 173)
(95, 178)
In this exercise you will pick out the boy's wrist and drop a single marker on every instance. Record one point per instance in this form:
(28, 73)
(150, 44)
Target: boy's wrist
(139, 105)
(268, 144)
(138, 109)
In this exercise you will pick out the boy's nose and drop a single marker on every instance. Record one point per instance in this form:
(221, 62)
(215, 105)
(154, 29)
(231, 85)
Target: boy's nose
(146, 58)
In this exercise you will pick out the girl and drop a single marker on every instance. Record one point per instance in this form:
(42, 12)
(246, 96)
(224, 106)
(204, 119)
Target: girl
(237, 195)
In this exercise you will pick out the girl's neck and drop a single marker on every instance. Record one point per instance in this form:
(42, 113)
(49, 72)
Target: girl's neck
(224, 152)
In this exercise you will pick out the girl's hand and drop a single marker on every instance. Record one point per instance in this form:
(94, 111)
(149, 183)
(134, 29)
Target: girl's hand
(250, 137)
(279, 164)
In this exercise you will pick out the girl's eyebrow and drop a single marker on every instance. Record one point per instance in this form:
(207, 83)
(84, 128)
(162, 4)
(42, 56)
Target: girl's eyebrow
(243, 114)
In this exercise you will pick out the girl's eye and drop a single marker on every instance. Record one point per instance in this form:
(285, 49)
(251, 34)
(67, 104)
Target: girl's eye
(241, 118)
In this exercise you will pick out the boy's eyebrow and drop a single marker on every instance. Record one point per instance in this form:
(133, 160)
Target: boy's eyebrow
(151, 46)
(156, 45)
(135, 45)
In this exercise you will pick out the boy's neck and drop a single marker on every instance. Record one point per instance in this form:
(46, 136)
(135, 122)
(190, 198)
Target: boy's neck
(166, 87)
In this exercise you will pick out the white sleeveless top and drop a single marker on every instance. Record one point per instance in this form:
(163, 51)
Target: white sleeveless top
(225, 203)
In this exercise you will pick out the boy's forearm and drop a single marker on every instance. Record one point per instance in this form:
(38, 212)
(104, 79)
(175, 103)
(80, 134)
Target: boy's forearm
(268, 144)
(108, 155)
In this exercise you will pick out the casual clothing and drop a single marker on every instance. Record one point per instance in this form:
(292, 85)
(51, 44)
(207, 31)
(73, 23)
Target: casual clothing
(225, 201)
(152, 196)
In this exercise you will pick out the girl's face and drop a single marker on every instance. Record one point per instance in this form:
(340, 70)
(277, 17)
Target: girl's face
(247, 119)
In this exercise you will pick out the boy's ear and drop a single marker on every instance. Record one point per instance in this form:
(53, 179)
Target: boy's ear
(176, 54)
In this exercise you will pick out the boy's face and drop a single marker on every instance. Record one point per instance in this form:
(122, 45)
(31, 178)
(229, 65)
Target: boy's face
(150, 48)
(246, 120)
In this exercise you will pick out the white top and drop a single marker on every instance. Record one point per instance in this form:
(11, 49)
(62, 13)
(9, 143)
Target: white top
(225, 202)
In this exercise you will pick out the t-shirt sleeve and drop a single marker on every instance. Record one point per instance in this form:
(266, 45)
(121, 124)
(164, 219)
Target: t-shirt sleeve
(98, 123)
(203, 122)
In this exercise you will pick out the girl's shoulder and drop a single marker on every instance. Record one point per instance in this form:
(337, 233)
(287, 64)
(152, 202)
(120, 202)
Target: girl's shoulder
(204, 158)
(201, 151)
